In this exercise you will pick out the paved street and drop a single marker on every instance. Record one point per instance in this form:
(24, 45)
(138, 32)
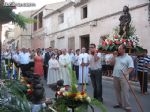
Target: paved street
(109, 97)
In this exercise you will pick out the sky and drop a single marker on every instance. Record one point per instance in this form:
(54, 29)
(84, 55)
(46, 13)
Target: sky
(38, 3)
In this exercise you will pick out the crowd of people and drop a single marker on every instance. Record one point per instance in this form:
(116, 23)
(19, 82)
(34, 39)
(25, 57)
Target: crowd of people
(52, 65)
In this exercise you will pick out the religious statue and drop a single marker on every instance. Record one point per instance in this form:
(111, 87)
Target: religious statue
(125, 20)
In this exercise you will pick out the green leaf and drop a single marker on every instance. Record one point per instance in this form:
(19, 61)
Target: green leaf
(98, 104)
(7, 15)
(82, 108)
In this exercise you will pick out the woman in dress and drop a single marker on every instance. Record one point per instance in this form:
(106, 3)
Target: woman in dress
(38, 64)
(53, 71)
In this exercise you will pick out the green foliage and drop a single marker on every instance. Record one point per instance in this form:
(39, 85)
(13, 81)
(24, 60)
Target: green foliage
(60, 105)
(12, 97)
(82, 108)
(132, 30)
(7, 15)
(139, 49)
(4, 74)
(99, 105)
(20, 20)
(73, 80)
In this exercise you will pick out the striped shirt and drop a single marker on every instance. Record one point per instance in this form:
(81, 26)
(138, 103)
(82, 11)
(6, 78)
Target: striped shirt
(141, 62)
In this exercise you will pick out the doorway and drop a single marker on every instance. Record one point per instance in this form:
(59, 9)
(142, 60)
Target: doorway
(85, 42)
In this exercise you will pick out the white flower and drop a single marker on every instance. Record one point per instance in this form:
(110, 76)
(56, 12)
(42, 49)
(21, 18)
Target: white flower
(76, 86)
(107, 41)
(62, 90)
(88, 99)
(125, 43)
(134, 44)
(58, 92)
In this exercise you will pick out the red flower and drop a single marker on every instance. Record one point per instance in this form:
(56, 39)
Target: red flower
(29, 91)
(73, 95)
(104, 43)
(123, 40)
(110, 42)
(82, 93)
(116, 36)
(117, 42)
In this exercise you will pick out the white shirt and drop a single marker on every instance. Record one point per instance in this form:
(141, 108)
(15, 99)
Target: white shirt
(16, 57)
(122, 63)
(7, 55)
(108, 58)
(94, 65)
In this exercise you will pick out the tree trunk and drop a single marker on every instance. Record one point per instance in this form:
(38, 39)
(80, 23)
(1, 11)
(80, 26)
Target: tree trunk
(0, 50)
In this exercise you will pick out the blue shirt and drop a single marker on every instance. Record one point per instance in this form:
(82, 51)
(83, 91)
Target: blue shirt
(24, 58)
(141, 62)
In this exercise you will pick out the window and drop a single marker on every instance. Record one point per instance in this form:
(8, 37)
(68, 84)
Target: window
(84, 12)
(61, 18)
(52, 43)
(35, 23)
(40, 20)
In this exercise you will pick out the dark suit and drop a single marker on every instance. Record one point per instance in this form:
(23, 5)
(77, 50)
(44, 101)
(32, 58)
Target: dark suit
(46, 59)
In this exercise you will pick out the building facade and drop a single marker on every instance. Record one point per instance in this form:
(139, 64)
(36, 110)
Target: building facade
(77, 24)
(23, 37)
(38, 28)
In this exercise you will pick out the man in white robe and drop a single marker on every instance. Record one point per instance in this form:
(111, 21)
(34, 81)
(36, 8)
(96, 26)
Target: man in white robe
(65, 62)
(83, 66)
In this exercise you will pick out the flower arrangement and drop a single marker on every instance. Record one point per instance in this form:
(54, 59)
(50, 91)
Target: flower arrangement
(112, 42)
(78, 101)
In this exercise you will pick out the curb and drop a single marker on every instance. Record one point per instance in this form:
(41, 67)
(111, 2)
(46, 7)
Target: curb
(131, 82)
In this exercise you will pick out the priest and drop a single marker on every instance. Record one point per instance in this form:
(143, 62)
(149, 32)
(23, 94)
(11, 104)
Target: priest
(83, 66)
(65, 64)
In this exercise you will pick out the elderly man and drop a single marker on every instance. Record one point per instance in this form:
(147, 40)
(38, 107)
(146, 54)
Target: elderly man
(123, 66)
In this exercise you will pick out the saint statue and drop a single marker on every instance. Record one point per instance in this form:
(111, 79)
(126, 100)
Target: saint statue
(125, 20)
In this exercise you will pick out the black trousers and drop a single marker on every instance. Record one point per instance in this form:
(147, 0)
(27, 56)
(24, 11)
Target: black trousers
(24, 68)
(45, 71)
(143, 80)
(76, 69)
(96, 78)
